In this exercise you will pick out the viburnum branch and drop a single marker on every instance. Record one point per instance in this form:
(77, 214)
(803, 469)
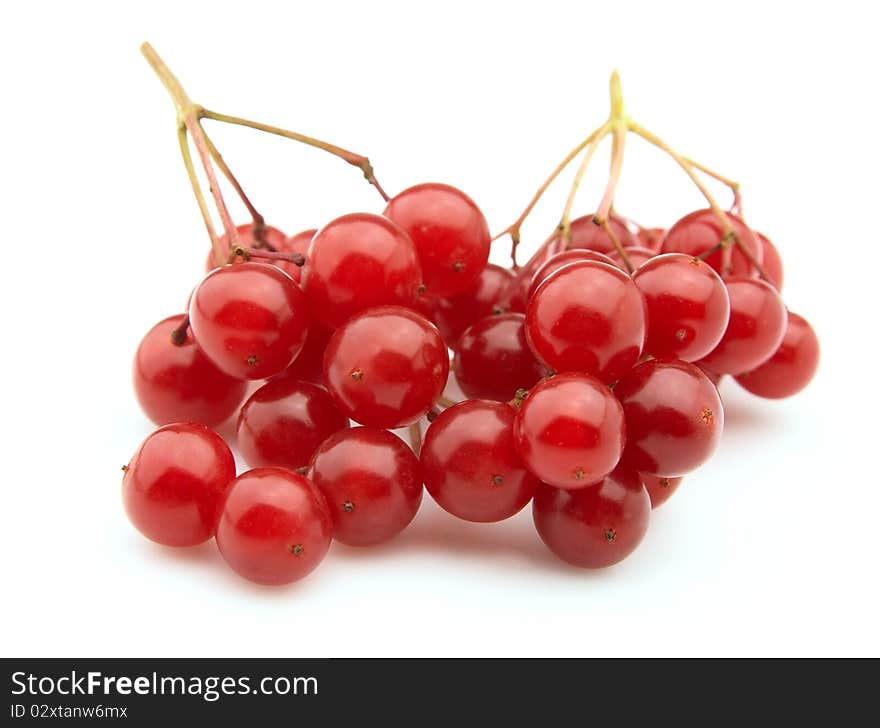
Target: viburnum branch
(565, 222)
(618, 143)
(240, 251)
(446, 402)
(726, 181)
(356, 160)
(217, 248)
(188, 115)
(178, 333)
(259, 222)
(514, 228)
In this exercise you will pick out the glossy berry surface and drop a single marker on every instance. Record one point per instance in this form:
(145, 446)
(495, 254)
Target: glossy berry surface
(492, 359)
(688, 306)
(560, 260)
(596, 526)
(659, 489)
(636, 254)
(284, 421)
(450, 234)
(755, 329)
(273, 236)
(587, 317)
(772, 261)
(700, 231)
(586, 234)
(386, 367)
(178, 383)
(275, 526)
(651, 238)
(791, 368)
(674, 417)
(570, 430)
(251, 319)
(470, 465)
(308, 365)
(174, 485)
(356, 262)
(453, 315)
(372, 482)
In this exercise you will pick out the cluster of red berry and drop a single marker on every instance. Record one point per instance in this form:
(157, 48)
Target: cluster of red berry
(590, 374)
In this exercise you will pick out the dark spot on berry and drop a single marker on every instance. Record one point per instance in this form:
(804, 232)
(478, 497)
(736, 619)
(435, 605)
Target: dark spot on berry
(253, 360)
(696, 262)
(708, 416)
(125, 468)
(578, 473)
(681, 334)
(296, 549)
(610, 535)
(348, 506)
(302, 470)
(458, 266)
(497, 479)
(421, 289)
(664, 482)
(357, 375)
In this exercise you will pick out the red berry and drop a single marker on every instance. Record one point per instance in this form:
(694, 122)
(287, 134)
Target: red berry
(178, 383)
(659, 489)
(298, 243)
(587, 234)
(700, 231)
(791, 368)
(570, 430)
(271, 235)
(595, 526)
(372, 483)
(560, 260)
(492, 359)
(651, 238)
(356, 262)
(772, 261)
(637, 256)
(688, 306)
(674, 417)
(284, 421)
(175, 483)
(587, 317)
(386, 367)
(251, 319)
(470, 465)
(454, 315)
(755, 330)
(449, 232)
(309, 363)
(275, 526)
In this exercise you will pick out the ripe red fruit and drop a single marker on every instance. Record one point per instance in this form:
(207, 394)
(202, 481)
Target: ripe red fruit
(309, 363)
(570, 430)
(178, 383)
(358, 261)
(772, 261)
(386, 367)
(372, 483)
(251, 319)
(700, 231)
(688, 306)
(587, 234)
(298, 243)
(560, 260)
(275, 526)
(659, 489)
(284, 421)
(450, 234)
(175, 483)
(587, 317)
(492, 359)
(792, 366)
(637, 256)
(595, 526)
(674, 417)
(755, 329)
(470, 465)
(453, 315)
(651, 238)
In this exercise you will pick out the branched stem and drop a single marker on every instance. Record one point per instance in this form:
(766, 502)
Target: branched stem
(239, 251)
(565, 223)
(615, 241)
(219, 251)
(618, 143)
(356, 160)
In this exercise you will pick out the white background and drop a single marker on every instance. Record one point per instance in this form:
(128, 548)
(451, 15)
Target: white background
(770, 549)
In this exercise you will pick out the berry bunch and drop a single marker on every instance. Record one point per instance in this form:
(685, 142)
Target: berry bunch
(590, 372)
